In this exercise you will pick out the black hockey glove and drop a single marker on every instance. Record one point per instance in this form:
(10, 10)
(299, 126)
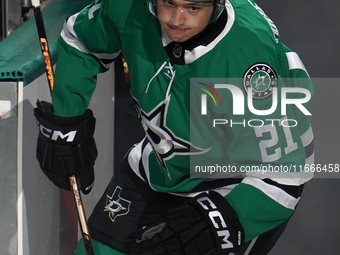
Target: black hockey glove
(66, 147)
(206, 225)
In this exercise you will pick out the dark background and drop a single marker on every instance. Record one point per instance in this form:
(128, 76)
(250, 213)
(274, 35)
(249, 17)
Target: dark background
(311, 28)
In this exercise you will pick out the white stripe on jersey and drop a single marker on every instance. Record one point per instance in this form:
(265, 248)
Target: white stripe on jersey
(134, 157)
(307, 137)
(145, 160)
(191, 56)
(70, 37)
(292, 179)
(275, 193)
(295, 62)
(310, 160)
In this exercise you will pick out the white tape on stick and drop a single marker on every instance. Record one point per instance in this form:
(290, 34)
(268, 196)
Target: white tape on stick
(35, 3)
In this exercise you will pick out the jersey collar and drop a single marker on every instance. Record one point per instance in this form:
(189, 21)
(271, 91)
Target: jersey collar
(192, 49)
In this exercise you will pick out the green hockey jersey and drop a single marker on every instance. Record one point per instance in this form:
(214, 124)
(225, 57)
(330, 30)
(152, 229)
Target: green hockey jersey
(213, 101)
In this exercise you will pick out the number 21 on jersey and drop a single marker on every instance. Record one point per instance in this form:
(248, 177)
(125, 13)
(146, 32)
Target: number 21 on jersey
(274, 141)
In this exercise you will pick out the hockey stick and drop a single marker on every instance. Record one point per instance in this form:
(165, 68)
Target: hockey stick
(50, 77)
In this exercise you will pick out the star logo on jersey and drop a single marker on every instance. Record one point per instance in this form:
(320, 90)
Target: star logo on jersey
(164, 142)
(262, 79)
(116, 205)
(177, 50)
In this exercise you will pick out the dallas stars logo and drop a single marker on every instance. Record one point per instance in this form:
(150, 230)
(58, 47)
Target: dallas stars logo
(262, 79)
(164, 142)
(116, 205)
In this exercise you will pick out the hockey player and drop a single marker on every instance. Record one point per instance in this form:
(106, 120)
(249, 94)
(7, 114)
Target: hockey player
(152, 204)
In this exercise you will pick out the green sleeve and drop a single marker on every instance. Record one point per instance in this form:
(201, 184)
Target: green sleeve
(88, 44)
(257, 212)
(75, 81)
(265, 202)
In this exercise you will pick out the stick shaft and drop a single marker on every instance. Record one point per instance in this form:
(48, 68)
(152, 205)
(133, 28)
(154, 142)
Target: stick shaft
(50, 77)
(45, 50)
(81, 216)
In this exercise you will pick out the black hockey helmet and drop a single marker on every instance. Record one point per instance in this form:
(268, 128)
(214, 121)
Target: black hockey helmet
(217, 4)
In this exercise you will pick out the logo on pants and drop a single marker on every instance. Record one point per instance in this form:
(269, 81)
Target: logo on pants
(116, 205)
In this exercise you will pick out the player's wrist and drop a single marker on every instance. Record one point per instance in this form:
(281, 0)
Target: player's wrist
(76, 129)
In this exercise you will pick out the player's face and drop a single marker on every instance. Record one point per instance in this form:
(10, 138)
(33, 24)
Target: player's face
(183, 19)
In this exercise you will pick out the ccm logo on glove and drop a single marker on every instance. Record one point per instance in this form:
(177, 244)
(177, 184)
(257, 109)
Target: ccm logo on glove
(54, 134)
(213, 214)
(66, 146)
